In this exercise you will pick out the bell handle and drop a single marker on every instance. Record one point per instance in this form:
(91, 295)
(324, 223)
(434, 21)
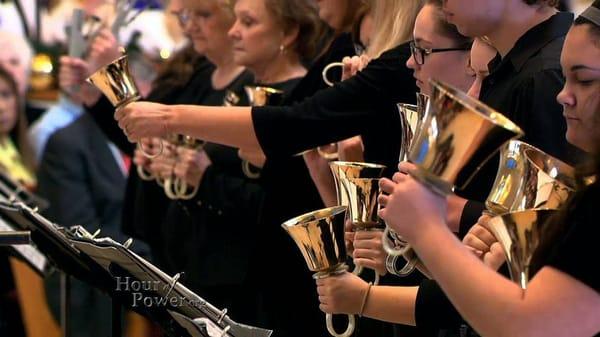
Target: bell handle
(248, 171)
(388, 245)
(145, 175)
(168, 188)
(182, 189)
(149, 154)
(326, 70)
(359, 269)
(349, 330)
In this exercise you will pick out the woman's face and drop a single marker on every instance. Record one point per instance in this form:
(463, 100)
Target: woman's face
(333, 12)
(474, 18)
(207, 25)
(481, 55)
(8, 108)
(257, 38)
(580, 97)
(449, 66)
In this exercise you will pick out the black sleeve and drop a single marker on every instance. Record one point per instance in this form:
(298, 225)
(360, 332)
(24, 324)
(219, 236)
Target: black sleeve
(575, 251)
(63, 182)
(339, 112)
(433, 309)
(103, 114)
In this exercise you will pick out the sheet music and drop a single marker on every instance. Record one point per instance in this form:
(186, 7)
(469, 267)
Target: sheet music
(28, 252)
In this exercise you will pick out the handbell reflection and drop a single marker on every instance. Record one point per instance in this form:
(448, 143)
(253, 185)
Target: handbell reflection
(519, 235)
(320, 237)
(458, 135)
(114, 80)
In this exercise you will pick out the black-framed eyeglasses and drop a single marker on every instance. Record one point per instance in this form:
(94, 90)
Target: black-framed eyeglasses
(419, 53)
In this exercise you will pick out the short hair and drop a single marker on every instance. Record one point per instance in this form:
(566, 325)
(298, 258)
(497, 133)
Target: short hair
(447, 29)
(593, 27)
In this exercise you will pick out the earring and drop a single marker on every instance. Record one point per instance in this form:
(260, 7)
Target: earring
(281, 49)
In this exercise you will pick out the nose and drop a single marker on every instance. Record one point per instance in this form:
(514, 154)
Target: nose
(565, 97)
(234, 32)
(411, 64)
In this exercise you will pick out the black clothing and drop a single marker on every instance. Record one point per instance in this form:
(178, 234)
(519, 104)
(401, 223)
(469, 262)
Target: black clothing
(570, 254)
(363, 105)
(352, 107)
(523, 86)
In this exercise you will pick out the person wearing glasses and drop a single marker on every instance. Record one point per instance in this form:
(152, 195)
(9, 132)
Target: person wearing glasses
(563, 296)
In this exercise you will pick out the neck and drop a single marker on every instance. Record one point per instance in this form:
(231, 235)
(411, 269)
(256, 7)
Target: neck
(280, 69)
(226, 70)
(516, 23)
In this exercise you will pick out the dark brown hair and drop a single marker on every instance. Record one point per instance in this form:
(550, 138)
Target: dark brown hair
(176, 72)
(303, 14)
(19, 132)
(553, 3)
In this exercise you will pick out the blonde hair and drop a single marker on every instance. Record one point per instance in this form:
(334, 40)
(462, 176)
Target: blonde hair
(395, 20)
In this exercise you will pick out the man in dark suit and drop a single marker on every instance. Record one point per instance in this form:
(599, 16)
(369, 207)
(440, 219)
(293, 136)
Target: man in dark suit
(82, 175)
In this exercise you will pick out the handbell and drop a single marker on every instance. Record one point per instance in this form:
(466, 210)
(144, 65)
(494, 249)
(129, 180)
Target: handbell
(357, 186)
(519, 235)
(116, 83)
(114, 80)
(320, 237)
(528, 178)
(458, 135)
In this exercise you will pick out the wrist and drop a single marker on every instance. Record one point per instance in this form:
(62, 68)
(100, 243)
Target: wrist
(173, 119)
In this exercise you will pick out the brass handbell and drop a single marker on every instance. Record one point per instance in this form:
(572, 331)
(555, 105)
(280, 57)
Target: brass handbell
(114, 80)
(458, 135)
(259, 96)
(519, 234)
(357, 187)
(320, 237)
(528, 178)
(411, 121)
(528, 186)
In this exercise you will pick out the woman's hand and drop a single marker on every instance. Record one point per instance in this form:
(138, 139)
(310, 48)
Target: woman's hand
(369, 252)
(104, 50)
(72, 81)
(144, 119)
(341, 294)
(407, 205)
(191, 165)
(351, 149)
(354, 64)
(484, 244)
(163, 166)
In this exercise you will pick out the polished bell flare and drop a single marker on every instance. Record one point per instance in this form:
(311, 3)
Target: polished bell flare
(357, 186)
(262, 96)
(458, 135)
(116, 83)
(411, 120)
(519, 234)
(320, 237)
(528, 178)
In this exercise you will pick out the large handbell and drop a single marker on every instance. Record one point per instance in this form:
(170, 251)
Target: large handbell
(114, 80)
(528, 178)
(519, 234)
(357, 187)
(260, 96)
(459, 134)
(320, 237)
(529, 185)
(411, 120)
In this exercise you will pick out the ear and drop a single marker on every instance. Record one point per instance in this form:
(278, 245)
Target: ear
(290, 36)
